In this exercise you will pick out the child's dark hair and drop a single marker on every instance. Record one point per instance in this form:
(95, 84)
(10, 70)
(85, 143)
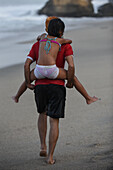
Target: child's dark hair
(56, 27)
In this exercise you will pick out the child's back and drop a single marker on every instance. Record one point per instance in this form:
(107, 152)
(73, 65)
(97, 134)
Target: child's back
(48, 50)
(50, 44)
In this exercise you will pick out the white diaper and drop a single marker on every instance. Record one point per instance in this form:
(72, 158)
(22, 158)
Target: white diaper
(50, 72)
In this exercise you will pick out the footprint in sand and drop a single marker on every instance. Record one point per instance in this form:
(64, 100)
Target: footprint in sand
(105, 155)
(95, 145)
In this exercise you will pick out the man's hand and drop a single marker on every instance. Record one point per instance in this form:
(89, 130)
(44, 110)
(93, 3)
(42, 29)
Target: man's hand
(69, 85)
(30, 86)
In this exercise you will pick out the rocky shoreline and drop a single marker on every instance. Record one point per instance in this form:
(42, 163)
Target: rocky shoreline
(75, 8)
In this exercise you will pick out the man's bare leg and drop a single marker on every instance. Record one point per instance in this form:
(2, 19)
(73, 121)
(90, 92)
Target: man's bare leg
(42, 128)
(53, 137)
(83, 92)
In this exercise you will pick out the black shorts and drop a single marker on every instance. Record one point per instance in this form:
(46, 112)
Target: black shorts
(51, 99)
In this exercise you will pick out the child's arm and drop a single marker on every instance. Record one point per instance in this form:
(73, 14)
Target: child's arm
(41, 36)
(64, 41)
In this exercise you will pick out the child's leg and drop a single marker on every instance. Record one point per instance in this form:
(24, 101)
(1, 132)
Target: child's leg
(23, 88)
(78, 86)
(62, 74)
(83, 92)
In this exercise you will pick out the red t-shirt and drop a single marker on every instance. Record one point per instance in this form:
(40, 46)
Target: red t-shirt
(66, 50)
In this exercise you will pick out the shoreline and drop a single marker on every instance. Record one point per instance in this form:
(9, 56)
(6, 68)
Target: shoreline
(23, 44)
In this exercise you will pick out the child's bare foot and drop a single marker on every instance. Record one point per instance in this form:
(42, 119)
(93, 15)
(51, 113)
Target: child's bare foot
(16, 100)
(92, 99)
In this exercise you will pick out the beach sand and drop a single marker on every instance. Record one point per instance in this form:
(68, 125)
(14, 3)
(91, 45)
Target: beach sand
(85, 140)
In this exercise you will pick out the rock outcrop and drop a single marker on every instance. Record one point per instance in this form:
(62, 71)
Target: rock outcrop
(106, 10)
(68, 8)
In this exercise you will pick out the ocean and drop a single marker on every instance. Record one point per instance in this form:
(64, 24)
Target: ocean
(18, 18)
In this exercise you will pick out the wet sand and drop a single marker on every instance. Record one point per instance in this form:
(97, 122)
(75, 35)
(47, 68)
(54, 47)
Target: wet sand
(85, 141)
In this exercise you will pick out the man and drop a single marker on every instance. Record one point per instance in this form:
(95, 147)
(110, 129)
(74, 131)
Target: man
(50, 97)
(55, 90)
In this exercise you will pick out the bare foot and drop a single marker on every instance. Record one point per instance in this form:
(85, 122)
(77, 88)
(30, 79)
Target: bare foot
(92, 99)
(51, 162)
(16, 100)
(43, 153)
